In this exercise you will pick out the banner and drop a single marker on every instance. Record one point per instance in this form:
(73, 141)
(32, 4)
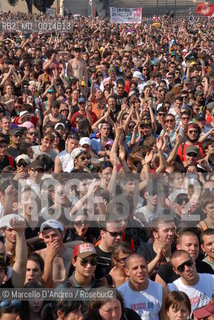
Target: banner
(126, 15)
(205, 9)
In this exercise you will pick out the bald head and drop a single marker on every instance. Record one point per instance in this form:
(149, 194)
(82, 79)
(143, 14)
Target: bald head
(132, 257)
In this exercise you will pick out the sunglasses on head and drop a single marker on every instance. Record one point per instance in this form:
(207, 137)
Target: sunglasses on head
(92, 262)
(188, 263)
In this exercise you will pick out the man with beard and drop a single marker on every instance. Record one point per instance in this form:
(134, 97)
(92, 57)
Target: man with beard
(198, 287)
(192, 135)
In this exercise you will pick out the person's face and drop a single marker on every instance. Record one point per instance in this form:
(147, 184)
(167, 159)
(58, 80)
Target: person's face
(121, 259)
(71, 144)
(106, 175)
(165, 233)
(112, 75)
(35, 305)
(16, 139)
(184, 266)
(81, 161)
(9, 90)
(46, 144)
(120, 89)
(85, 266)
(10, 235)
(192, 134)
(170, 79)
(81, 225)
(111, 310)
(35, 174)
(154, 199)
(137, 270)
(185, 119)
(112, 234)
(6, 124)
(99, 94)
(190, 244)
(209, 210)
(105, 131)
(73, 315)
(111, 103)
(60, 197)
(208, 244)
(33, 271)
(179, 312)
(178, 103)
(170, 122)
(3, 149)
(82, 106)
(32, 135)
(55, 110)
(51, 235)
(27, 203)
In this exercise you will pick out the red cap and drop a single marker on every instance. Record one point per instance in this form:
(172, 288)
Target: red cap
(84, 250)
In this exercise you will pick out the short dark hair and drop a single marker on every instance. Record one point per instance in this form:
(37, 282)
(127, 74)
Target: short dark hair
(35, 257)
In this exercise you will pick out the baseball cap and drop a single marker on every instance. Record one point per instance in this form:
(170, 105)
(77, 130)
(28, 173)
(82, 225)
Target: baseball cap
(5, 220)
(137, 74)
(206, 311)
(81, 100)
(51, 224)
(85, 140)
(84, 250)
(24, 157)
(15, 131)
(76, 152)
(24, 113)
(37, 164)
(200, 116)
(27, 125)
(58, 125)
(192, 149)
(109, 143)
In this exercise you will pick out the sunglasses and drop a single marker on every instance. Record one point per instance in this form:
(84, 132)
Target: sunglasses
(33, 133)
(81, 222)
(37, 170)
(192, 154)
(188, 263)
(13, 303)
(18, 135)
(182, 200)
(83, 158)
(115, 234)
(92, 262)
(185, 118)
(24, 164)
(170, 120)
(161, 114)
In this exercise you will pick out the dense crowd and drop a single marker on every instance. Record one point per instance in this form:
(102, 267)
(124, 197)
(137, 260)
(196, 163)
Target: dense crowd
(107, 168)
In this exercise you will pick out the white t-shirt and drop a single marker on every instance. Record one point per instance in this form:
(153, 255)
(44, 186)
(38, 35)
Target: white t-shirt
(146, 303)
(200, 294)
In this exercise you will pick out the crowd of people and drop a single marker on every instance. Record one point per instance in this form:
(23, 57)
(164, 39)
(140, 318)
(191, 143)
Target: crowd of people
(107, 168)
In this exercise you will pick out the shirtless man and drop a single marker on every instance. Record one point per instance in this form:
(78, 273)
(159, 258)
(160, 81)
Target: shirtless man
(56, 256)
(77, 67)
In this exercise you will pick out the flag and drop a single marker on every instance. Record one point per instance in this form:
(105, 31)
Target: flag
(205, 9)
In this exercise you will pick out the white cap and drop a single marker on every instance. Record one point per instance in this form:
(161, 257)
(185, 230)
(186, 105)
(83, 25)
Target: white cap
(24, 157)
(85, 140)
(5, 220)
(137, 74)
(52, 224)
(59, 124)
(76, 152)
(24, 113)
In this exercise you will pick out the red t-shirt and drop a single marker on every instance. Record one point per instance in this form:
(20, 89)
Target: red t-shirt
(182, 150)
(84, 115)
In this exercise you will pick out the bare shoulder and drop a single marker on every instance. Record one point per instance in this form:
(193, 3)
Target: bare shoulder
(42, 252)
